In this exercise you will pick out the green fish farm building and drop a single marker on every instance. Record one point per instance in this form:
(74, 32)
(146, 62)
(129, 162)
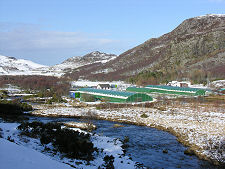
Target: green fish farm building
(112, 96)
(168, 90)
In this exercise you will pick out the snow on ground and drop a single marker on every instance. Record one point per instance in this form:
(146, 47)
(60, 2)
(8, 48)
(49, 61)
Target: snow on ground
(83, 126)
(200, 126)
(66, 65)
(177, 84)
(218, 83)
(27, 153)
(200, 86)
(11, 89)
(20, 64)
(113, 147)
(13, 66)
(20, 157)
(210, 15)
(108, 59)
(36, 72)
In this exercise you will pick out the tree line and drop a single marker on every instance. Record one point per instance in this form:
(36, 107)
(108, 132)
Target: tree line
(60, 86)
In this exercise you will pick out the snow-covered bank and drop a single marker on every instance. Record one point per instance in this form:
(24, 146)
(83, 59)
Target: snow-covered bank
(199, 126)
(30, 152)
(82, 126)
(20, 157)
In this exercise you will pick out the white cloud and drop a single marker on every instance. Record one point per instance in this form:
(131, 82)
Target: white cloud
(26, 38)
(30, 42)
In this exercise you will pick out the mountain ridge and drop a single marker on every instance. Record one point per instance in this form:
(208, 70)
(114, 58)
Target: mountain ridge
(195, 47)
(196, 44)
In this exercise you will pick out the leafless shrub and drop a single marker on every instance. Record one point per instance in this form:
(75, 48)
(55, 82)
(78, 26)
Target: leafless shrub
(89, 116)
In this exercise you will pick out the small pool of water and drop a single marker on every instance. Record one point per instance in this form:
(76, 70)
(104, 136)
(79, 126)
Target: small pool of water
(146, 144)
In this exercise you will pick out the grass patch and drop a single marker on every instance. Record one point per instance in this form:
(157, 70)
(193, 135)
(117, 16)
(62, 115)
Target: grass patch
(144, 115)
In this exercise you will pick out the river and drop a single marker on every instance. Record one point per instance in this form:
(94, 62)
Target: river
(151, 147)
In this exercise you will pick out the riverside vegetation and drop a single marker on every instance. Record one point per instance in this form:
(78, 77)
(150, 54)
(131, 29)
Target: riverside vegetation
(13, 110)
(69, 142)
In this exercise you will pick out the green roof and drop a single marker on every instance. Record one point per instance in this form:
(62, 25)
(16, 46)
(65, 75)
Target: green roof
(167, 90)
(174, 88)
(107, 92)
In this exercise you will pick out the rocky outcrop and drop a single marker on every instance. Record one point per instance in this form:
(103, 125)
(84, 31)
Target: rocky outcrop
(197, 43)
(74, 64)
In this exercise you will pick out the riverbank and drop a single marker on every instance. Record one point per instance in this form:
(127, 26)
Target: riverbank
(108, 151)
(200, 126)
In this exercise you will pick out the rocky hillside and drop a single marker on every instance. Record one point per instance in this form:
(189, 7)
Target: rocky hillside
(78, 61)
(194, 50)
(197, 44)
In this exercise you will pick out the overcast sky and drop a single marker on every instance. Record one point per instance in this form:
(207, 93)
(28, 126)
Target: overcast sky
(50, 31)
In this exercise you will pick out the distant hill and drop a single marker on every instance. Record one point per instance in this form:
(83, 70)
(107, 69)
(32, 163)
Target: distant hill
(13, 66)
(195, 47)
(72, 63)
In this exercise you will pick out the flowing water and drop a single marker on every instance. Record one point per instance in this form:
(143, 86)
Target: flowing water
(151, 147)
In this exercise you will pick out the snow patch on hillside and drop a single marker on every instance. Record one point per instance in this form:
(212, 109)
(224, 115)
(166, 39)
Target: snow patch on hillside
(210, 15)
(20, 64)
(77, 61)
(13, 66)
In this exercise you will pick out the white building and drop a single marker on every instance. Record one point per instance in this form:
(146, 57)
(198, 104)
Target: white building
(179, 84)
(104, 86)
